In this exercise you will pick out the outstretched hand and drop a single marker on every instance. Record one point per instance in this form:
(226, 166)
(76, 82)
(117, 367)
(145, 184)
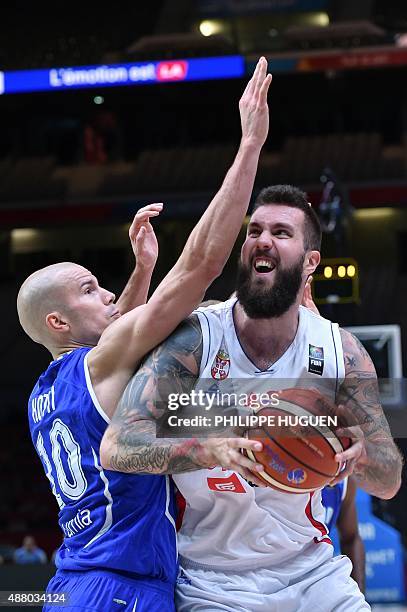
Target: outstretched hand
(254, 112)
(142, 237)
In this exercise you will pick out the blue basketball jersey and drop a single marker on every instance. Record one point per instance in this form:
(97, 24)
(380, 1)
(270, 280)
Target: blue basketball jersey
(119, 522)
(332, 498)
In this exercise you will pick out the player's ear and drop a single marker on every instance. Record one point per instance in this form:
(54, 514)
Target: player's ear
(311, 262)
(55, 321)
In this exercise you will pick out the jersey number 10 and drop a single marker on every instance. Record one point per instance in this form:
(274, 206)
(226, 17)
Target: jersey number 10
(73, 485)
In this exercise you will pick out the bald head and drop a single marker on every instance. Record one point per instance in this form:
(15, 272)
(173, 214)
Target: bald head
(42, 293)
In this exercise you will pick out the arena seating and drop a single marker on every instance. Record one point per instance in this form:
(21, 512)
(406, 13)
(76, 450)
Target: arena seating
(354, 157)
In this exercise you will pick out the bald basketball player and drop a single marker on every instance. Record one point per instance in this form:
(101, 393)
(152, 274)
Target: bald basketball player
(49, 288)
(245, 548)
(119, 550)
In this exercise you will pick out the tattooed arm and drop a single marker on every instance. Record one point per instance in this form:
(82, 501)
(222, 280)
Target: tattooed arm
(373, 457)
(130, 443)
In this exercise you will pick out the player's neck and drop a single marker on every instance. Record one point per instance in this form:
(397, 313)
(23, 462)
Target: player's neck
(266, 340)
(70, 345)
(59, 351)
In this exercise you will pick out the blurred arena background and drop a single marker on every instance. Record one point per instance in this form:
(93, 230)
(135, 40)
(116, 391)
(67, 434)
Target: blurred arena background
(144, 109)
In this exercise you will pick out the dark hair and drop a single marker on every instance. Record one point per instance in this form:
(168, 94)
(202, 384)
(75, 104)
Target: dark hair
(287, 195)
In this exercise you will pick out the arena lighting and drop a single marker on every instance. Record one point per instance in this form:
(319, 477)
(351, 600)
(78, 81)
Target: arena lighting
(320, 19)
(336, 281)
(209, 27)
(375, 213)
(24, 239)
(118, 75)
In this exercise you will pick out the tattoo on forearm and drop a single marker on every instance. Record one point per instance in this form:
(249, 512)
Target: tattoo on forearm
(360, 395)
(173, 367)
(380, 475)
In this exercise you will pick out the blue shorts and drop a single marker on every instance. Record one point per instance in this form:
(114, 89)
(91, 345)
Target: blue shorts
(102, 591)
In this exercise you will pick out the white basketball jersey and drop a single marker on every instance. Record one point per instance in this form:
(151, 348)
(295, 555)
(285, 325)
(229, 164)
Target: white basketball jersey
(229, 524)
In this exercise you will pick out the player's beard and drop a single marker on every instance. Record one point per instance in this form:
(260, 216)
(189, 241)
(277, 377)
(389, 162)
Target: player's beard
(260, 301)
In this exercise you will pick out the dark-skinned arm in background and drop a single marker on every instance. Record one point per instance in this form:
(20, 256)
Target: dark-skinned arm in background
(350, 541)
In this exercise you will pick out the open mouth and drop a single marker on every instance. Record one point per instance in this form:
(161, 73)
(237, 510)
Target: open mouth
(263, 266)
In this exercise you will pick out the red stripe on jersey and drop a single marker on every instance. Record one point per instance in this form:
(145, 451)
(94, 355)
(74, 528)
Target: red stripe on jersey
(326, 540)
(180, 504)
(317, 524)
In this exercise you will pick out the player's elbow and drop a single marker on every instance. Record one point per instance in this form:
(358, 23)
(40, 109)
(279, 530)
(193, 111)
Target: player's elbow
(392, 491)
(206, 264)
(395, 482)
(106, 452)
(391, 487)
(210, 269)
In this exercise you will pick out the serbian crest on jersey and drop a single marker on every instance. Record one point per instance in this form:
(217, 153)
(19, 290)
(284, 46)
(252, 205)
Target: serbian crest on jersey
(221, 365)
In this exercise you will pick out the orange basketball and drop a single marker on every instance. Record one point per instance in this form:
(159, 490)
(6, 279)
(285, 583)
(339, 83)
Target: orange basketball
(298, 448)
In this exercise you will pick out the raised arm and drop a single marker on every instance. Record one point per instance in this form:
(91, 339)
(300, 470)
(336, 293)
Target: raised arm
(210, 243)
(373, 457)
(126, 340)
(145, 248)
(130, 443)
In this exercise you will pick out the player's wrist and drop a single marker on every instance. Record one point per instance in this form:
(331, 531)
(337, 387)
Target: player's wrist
(250, 144)
(142, 266)
(205, 455)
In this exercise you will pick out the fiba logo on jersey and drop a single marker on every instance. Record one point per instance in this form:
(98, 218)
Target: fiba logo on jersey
(297, 476)
(221, 365)
(316, 359)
